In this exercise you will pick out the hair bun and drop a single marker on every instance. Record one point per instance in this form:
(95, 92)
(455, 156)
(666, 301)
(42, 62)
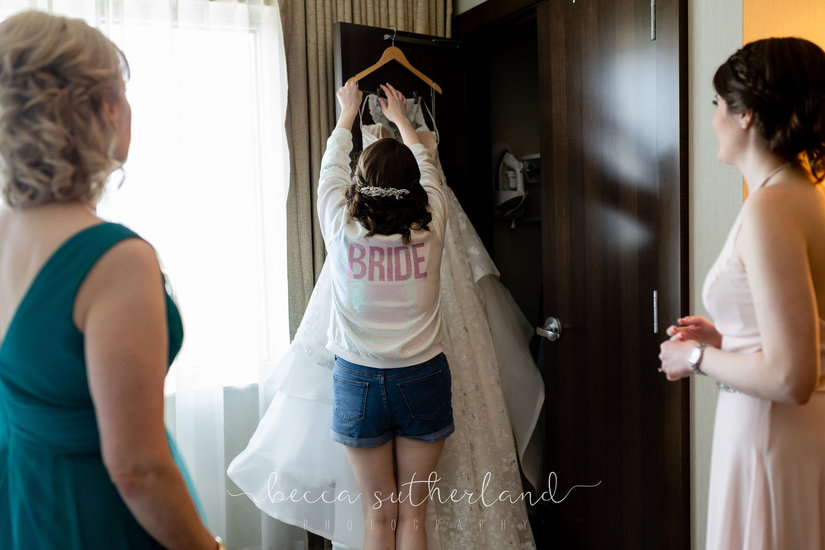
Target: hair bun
(782, 82)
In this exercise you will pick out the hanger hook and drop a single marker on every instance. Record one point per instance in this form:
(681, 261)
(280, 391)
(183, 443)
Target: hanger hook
(393, 35)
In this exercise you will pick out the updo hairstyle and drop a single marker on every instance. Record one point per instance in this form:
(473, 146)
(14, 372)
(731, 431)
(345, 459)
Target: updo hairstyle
(388, 163)
(782, 82)
(56, 145)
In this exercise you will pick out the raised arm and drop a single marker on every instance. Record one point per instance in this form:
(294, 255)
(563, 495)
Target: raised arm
(395, 109)
(121, 310)
(349, 97)
(335, 164)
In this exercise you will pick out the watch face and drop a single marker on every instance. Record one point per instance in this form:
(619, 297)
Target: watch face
(694, 355)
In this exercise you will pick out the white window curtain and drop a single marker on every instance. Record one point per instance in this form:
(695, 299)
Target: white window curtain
(206, 184)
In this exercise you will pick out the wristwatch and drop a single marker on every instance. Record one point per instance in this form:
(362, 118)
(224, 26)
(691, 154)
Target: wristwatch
(695, 358)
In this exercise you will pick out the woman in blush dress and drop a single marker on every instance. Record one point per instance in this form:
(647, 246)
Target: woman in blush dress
(766, 294)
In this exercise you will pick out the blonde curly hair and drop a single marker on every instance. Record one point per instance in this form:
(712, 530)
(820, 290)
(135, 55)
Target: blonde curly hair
(56, 144)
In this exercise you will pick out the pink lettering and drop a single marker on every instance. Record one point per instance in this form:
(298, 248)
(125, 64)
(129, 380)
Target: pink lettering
(399, 263)
(418, 260)
(403, 263)
(356, 258)
(376, 263)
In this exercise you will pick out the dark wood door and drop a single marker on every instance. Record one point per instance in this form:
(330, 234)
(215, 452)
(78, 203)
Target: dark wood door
(614, 268)
(613, 137)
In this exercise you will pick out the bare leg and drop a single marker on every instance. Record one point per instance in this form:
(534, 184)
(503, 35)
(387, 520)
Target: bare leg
(418, 459)
(373, 469)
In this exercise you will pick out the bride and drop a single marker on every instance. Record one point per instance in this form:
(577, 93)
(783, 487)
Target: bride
(294, 471)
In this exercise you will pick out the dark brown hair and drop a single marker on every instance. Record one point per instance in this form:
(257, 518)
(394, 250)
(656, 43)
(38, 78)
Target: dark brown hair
(388, 163)
(782, 82)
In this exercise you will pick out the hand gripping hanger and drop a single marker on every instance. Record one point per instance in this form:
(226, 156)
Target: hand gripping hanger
(395, 54)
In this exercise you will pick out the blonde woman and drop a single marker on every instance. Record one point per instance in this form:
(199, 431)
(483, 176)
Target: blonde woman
(87, 330)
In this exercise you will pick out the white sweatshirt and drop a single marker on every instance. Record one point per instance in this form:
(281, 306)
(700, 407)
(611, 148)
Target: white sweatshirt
(386, 295)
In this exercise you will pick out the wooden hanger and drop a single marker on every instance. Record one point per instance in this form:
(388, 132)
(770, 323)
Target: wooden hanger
(393, 53)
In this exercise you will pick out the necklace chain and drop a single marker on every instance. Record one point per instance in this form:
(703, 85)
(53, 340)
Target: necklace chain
(772, 174)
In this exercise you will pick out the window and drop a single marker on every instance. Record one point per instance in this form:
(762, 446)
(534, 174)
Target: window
(207, 174)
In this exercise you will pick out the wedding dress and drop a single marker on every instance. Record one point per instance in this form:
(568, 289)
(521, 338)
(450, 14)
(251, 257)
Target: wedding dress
(294, 472)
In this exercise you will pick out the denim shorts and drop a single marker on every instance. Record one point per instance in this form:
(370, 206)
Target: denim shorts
(371, 406)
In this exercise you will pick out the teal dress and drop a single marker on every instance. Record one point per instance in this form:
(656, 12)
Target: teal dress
(54, 489)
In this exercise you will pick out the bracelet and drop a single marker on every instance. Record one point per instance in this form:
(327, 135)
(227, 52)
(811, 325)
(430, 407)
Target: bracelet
(221, 545)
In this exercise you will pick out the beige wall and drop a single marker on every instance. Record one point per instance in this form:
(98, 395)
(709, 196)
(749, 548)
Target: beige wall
(715, 31)
(460, 6)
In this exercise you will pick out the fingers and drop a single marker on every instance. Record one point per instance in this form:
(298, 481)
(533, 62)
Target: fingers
(393, 94)
(395, 106)
(691, 321)
(389, 90)
(693, 324)
(695, 320)
(350, 88)
(676, 333)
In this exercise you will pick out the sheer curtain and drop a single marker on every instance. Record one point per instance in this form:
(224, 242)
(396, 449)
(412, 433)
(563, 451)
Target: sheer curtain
(206, 184)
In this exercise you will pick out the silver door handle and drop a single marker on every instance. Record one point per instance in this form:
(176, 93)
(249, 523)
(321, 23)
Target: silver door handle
(551, 329)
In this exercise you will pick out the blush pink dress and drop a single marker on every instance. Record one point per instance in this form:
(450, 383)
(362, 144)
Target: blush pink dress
(767, 476)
